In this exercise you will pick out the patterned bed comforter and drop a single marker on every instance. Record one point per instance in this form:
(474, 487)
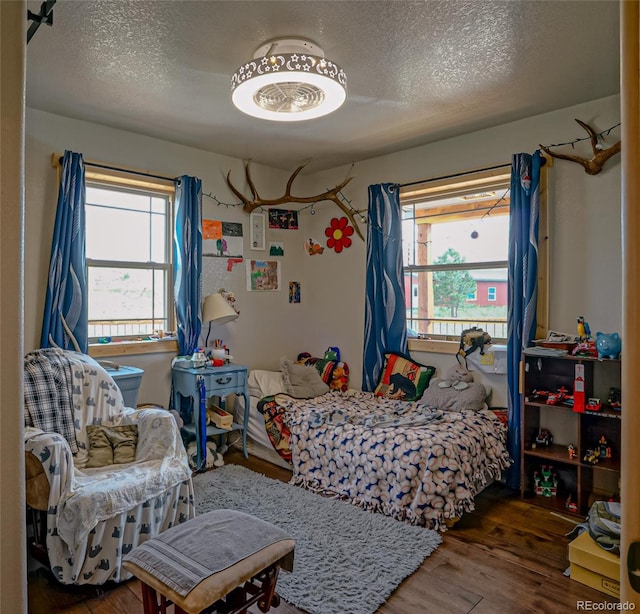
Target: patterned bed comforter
(406, 460)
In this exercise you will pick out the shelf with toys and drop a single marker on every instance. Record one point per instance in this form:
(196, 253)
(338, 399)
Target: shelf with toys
(570, 430)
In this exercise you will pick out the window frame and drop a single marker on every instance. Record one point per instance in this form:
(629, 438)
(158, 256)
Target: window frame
(126, 182)
(482, 180)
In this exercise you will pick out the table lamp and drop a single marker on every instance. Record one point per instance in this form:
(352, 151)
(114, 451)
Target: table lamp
(216, 310)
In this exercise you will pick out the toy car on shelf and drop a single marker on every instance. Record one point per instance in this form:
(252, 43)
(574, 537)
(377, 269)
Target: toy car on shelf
(544, 438)
(561, 395)
(593, 404)
(591, 456)
(537, 395)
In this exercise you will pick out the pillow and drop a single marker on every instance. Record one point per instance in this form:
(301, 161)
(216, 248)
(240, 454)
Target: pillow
(334, 373)
(472, 397)
(301, 381)
(265, 383)
(403, 378)
(111, 445)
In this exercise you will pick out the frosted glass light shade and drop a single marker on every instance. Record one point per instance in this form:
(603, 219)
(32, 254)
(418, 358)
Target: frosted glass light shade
(289, 80)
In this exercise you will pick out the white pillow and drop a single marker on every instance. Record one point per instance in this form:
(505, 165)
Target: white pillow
(265, 383)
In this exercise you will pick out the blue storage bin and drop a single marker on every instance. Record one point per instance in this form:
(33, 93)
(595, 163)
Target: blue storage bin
(128, 380)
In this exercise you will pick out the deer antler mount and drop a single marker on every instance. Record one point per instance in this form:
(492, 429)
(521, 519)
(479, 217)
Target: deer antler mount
(600, 156)
(250, 204)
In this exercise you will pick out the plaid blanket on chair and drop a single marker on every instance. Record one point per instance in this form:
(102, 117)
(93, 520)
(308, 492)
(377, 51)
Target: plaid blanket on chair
(47, 393)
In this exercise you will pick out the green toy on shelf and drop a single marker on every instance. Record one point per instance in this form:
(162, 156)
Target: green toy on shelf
(545, 481)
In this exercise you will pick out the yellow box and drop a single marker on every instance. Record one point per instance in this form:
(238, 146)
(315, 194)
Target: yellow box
(221, 418)
(594, 566)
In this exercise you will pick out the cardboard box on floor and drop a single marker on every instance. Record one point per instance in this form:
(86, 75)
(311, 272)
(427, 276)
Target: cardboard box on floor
(594, 566)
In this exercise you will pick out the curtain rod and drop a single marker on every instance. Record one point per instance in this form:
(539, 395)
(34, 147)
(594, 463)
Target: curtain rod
(480, 170)
(125, 170)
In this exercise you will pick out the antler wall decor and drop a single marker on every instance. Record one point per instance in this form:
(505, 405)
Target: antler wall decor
(600, 155)
(332, 195)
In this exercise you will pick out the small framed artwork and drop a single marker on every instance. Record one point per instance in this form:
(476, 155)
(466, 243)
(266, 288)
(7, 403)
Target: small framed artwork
(276, 248)
(284, 219)
(258, 225)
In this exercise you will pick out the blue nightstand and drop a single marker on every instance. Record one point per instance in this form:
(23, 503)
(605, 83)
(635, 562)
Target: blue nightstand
(219, 382)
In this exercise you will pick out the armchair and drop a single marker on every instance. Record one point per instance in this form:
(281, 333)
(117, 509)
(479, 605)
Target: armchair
(91, 516)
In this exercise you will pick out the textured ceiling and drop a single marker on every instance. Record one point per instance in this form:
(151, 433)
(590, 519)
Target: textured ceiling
(417, 72)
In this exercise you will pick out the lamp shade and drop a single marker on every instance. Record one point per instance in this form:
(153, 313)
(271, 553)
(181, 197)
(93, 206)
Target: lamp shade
(216, 310)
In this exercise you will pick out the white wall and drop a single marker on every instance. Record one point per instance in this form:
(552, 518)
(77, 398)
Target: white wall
(585, 233)
(268, 326)
(585, 226)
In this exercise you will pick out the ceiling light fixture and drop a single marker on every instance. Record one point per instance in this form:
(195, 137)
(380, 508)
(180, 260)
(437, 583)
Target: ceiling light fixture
(288, 80)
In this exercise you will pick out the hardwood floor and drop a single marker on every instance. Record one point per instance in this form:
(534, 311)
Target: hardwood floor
(507, 557)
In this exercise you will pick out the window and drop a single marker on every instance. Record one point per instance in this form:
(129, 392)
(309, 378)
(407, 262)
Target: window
(455, 239)
(128, 250)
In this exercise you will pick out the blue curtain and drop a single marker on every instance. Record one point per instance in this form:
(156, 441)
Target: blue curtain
(64, 323)
(385, 325)
(187, 262)
(523, 288)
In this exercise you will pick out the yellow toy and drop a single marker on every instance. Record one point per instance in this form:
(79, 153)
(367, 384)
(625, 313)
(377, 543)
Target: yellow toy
(584, 332)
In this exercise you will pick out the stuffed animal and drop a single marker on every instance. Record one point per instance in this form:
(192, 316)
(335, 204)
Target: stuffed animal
(214, 458)
(339, 378)
(457, 377)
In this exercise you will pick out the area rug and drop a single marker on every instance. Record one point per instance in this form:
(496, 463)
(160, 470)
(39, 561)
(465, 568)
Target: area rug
(347, 560)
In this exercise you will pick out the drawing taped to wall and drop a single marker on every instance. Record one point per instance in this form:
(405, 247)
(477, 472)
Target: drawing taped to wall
(222, 239)
(284, 219)
(263, 275)
(294, 291)
(313, 247)
(276, 248)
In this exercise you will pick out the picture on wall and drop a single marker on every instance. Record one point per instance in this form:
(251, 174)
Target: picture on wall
(263, 275)
(276, 248)
(258, 222)
(222, 239)
(294, 291)
(313, 247)
(283, 219)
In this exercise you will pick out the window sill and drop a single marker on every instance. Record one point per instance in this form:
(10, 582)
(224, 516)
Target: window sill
(130, 348)
(440, 346)
(434, 346)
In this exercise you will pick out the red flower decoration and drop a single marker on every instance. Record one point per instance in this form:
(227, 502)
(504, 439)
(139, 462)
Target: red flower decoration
(339, 234)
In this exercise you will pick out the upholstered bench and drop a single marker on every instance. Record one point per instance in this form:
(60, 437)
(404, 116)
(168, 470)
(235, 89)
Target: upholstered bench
(221, 561)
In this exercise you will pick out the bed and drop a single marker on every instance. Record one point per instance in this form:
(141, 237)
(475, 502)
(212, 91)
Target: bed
(407, 459)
